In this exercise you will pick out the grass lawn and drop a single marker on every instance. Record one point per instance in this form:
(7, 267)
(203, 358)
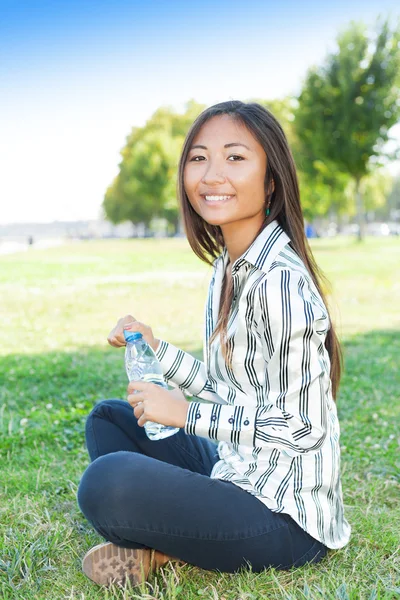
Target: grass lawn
(57, 307)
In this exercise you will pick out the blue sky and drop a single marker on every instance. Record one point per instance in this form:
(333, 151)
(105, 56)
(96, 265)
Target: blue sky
(76, 76)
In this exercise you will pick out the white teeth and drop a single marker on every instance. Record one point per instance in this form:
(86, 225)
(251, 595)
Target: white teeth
(217, 198)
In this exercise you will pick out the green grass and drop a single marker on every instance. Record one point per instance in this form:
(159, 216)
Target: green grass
(57, 307)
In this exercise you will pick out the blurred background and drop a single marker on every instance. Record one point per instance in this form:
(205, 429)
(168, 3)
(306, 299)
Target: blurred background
(96, 98)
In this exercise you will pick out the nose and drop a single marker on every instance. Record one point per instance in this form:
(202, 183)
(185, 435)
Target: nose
(213, 173)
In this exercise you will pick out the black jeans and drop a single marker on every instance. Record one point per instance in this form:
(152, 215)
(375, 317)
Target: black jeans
(138, 493)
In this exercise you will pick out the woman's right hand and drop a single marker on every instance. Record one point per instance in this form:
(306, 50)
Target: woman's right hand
(116, 336)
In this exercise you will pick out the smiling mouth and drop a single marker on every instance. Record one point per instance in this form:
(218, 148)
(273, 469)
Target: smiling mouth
(216, 199)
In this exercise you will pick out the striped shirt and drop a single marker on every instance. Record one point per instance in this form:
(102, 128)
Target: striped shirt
(272, 412)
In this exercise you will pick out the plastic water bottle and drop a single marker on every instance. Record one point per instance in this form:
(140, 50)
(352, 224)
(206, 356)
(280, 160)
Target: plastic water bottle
(142, 364)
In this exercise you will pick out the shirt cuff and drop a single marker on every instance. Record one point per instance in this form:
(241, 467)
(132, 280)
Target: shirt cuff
(219, 422)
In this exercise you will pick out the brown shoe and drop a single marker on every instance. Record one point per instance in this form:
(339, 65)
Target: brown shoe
(107, 563)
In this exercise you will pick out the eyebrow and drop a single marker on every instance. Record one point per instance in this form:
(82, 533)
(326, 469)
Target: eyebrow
(226, 146)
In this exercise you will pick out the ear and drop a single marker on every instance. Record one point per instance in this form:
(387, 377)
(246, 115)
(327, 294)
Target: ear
(271, 188)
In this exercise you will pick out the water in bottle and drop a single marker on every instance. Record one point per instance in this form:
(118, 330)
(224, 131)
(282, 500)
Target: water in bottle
(142, 364)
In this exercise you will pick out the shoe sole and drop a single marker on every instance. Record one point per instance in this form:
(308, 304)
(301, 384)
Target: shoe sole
(107, 563)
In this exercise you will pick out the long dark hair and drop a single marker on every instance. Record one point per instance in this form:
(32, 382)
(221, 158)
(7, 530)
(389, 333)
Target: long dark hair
(207, 241)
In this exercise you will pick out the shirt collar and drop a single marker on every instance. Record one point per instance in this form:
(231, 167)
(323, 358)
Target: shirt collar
(262, 251)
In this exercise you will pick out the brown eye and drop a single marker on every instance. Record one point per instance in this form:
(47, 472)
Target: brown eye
(236, 156)
(194, 158)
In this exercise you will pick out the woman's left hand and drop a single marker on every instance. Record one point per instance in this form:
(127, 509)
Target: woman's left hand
(154, 403)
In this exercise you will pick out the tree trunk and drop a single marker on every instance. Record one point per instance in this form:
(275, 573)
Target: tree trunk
(360, 211)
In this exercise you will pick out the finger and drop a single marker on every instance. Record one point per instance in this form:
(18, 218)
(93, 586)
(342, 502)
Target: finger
(131, 388)
(130, 323)
(116, 342)
(128, 318)
(137, 326)
(140, 386)
(138, 410)
(119, 334)
(135, 399)
(134, 328)
(113, 338)
(141, 421)
(116, 336)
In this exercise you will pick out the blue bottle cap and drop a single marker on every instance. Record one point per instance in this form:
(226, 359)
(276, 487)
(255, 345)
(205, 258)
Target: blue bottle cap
(132, 336)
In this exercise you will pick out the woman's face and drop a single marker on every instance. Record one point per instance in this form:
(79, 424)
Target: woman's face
(225, 185)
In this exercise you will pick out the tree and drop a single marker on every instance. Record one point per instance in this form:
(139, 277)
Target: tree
(137, 193)
(347, 107)
(283, 111)
(323, 189)
(146, 184)
(375, 189)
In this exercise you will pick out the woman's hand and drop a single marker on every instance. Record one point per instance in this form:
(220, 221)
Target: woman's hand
(116, 336)
(151, 402)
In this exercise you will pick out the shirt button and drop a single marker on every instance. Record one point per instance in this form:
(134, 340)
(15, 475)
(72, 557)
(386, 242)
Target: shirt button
(214, 418)
(198, 415)
(246, 422)
(230, 420)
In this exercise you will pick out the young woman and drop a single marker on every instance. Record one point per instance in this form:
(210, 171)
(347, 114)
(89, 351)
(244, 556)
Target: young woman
(253, 476)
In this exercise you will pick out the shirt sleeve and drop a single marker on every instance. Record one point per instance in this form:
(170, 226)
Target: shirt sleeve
(291, 325)
(185, 371)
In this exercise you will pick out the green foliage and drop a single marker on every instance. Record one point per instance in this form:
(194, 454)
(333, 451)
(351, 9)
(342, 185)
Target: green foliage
(322, 188)
(348, 105)
(55, 364)
(283, 111)
(146, 184)
(375, 188)
(138, 193)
